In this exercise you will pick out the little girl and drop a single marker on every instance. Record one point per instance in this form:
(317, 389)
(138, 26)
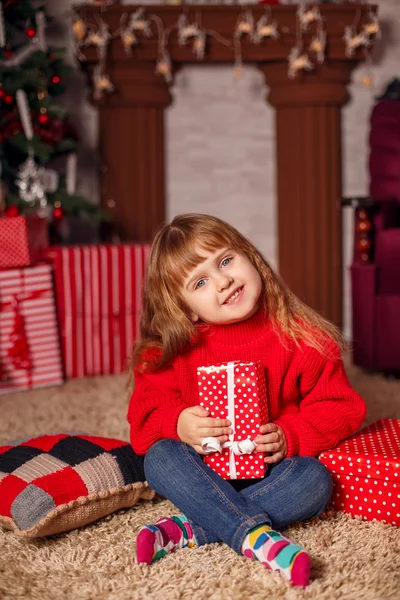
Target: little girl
(209, 298)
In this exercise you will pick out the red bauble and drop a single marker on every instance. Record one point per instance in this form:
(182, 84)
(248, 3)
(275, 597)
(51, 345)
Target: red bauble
(8, 53)
(44, 119)
(55, 79)
(8, 99)
(12, 211)
(30, 32)
(58, 213)
(2, 92)
(363, 226)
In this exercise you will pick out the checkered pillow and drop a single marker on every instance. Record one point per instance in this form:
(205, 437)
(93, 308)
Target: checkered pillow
(54, 483)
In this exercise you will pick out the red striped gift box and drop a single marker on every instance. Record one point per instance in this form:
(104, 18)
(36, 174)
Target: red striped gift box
(99, 299)
(30, 354)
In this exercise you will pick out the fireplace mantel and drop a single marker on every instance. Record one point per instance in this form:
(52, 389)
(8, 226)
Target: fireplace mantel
(308, 129)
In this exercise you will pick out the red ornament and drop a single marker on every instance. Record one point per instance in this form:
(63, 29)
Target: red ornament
(12, 211)
(8, 53)
(2, 92)
(8, 99)
(44, 119)
(58, 213)
(55, 79)
(363, 226)
(30, 32)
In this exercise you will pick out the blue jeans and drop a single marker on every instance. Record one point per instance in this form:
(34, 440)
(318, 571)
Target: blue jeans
(294, 489)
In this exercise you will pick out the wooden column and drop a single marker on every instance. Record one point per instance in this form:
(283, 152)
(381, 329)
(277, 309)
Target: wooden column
(309, 181)
(132, 146)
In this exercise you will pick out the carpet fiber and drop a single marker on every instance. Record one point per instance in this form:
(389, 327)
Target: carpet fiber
(352, 559)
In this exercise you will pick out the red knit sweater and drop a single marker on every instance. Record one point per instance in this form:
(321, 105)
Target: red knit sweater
(309, 396)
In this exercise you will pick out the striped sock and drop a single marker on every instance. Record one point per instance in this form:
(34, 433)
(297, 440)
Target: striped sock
(167, 535)
(278, 553)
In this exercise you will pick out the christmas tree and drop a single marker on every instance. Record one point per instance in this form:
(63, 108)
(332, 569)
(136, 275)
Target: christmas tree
(35, 132)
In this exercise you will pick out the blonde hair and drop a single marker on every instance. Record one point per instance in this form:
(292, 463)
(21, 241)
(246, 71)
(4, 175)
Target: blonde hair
(166, 328)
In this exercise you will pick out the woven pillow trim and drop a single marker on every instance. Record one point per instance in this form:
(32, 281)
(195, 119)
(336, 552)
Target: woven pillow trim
(44, 527)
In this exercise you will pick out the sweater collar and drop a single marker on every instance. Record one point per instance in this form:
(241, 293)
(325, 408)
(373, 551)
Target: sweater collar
(238, 334)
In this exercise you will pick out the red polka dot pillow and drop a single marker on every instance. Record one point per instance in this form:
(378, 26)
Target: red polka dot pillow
(54, 483)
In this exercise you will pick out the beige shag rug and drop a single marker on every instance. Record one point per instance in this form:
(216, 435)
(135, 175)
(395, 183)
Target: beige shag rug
(352, 559)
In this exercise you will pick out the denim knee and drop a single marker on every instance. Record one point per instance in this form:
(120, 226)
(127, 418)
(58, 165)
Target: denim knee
(320, 481)
(157, 458)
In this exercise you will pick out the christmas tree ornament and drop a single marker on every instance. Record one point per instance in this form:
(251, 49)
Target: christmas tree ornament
(30, 32)
(44, 119)
(58, 213)
(30, 183)
(24, 113)
(70, 177)
(8, 99)
(298, 61)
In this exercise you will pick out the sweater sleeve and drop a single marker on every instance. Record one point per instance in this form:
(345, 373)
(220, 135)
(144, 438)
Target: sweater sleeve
(329, 409)
(154, 408)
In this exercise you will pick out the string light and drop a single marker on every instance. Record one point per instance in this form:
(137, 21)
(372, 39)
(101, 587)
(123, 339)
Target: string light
(139, 25)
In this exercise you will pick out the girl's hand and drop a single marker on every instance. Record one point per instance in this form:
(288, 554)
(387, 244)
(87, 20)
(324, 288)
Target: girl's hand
(272, 440)
(194, 424)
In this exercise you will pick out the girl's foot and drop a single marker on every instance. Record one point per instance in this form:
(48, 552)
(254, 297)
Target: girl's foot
(278, 553)
(167, 535)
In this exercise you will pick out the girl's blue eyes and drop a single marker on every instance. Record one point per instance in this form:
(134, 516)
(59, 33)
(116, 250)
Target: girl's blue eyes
(224, 263)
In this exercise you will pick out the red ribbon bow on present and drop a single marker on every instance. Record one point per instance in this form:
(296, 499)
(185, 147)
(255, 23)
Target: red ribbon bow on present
(19, 351)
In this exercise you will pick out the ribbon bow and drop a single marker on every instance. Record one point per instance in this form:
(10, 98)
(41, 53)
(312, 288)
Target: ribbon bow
(18, 351)
(212, 444)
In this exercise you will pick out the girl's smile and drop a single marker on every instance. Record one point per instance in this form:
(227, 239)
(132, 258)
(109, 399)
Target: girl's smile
(235, 296)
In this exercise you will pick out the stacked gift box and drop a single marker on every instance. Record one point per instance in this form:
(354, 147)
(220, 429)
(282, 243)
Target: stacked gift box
(30, 353)
(99, 297)
(70, 311)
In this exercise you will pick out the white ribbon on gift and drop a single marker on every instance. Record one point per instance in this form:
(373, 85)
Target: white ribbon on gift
(212, 444)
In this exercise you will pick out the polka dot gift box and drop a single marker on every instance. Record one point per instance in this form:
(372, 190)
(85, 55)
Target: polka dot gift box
(366, 472)
(235, 391)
